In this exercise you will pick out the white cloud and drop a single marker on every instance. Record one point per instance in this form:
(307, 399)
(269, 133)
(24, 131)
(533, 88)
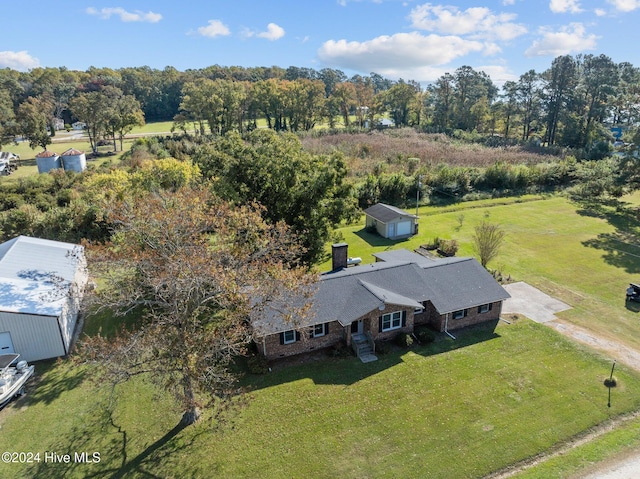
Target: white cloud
(215, 28)
(499, 73)
(569, 39)
(477, 22)
(124, 15)
(274, 32)
(20, 61)
(564, 6)
(625, 5)
(491, 49)
(508, 2)
(402, 54)
(600, 12)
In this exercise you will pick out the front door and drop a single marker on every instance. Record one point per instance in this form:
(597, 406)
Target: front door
(357, 327)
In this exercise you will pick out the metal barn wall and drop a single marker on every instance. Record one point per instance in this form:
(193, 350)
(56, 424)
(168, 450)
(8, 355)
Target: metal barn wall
(69, 315)
(34, 337)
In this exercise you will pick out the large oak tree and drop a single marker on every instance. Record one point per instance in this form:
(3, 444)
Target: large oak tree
(196, 269)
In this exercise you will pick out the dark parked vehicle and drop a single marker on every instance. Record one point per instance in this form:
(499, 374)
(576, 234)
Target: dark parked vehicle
(633, 292)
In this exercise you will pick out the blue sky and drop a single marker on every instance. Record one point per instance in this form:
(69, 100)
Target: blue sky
(397, 38)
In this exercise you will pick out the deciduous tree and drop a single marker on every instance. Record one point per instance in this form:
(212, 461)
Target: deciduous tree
(196, 269)
(8, 123)
(33, 120)
(126, 114)
(487, 241)
(92, 108)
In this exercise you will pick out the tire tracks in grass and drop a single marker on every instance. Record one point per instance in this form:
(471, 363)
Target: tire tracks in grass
(565, 446)
(629, 356)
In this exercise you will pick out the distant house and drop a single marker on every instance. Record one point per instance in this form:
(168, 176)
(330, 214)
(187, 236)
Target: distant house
(41, 286)
(364, 304)
(384, 123)
(79, 125)
(58, 123)
(391, 222)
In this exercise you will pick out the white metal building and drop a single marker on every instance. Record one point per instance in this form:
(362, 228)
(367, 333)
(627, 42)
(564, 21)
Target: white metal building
(41, 286)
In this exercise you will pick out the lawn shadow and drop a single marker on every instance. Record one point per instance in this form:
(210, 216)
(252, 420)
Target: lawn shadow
(111, 457)
(49, 381)
(323, 369)
(464, 337)
(621, 247)
(31, 162)
(632, 306)
(374, 239)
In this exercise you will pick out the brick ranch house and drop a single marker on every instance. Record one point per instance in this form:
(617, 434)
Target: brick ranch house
(377, 301)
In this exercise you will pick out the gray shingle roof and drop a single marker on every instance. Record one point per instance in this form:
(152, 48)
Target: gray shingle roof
(385, 213)
(451, 284)
(403, 255)
(461, 284)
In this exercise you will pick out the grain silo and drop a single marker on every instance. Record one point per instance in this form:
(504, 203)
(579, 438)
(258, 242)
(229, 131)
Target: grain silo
(74, 160)
(47, 161)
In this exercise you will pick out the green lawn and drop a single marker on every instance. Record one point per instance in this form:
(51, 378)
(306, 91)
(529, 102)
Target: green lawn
(497, 398)
(620, 441)
(583, 255)
(155, 127)
(503, 395)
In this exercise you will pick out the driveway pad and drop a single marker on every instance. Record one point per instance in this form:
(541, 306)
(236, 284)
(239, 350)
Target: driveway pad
(531, 302)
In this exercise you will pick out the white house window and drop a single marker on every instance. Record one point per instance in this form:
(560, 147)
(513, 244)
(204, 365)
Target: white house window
(318, 330)
(485, 308)
(461, 313)
(392, 321)
(289, 336)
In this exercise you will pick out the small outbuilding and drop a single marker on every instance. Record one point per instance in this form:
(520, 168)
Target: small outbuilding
(47, 161)
(74, 160)
(41, 287)
(391, 222)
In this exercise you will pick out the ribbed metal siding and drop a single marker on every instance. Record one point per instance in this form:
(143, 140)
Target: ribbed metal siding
(34, 337)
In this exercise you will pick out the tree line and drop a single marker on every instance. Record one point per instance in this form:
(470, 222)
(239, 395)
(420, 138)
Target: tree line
(572, 103)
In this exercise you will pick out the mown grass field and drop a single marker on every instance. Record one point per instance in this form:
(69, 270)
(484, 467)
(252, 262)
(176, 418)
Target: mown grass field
(446, 410)
(583, 254)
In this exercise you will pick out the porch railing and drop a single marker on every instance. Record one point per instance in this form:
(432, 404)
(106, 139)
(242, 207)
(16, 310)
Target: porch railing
(372, 344)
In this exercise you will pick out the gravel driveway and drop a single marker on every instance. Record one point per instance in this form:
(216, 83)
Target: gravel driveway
(542, 308)
(532, 303)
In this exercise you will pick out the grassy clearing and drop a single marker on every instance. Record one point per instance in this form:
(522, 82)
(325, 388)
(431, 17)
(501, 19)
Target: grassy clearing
(623, 440)
(584, 255)
(155, 127)
(501, 396)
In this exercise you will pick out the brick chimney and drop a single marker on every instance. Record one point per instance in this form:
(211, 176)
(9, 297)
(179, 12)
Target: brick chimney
(339, 253)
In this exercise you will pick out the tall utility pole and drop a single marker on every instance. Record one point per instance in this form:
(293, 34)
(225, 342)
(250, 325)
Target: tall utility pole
(418, 193)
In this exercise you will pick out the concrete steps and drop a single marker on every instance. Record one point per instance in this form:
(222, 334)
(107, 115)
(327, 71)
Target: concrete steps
(364, 351)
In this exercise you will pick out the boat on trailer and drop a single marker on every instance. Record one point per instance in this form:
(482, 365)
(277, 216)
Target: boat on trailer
(13, 376)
